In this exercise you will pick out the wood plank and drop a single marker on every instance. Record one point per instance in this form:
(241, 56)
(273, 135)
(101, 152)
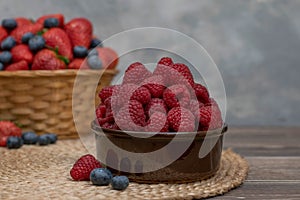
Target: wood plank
(274, 168)
(264, 190)
(263, 141)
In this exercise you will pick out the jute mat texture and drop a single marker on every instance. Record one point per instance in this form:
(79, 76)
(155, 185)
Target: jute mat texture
(35, 172)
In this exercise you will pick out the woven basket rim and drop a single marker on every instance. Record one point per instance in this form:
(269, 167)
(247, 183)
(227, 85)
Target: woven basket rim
(52, 73)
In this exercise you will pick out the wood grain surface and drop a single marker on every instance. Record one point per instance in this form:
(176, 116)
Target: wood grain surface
(274, 157)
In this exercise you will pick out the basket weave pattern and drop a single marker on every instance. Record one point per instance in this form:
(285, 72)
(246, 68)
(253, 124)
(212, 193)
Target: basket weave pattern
(42, 100)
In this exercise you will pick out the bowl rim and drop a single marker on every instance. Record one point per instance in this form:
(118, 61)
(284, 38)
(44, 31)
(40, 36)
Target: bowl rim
(129, 134)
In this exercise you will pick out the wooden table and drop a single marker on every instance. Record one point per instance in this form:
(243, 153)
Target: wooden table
(274, 158)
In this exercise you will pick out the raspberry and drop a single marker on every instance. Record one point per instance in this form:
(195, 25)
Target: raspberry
(194, 107)
(201, 93)
(110, 126)
(210, 118)
(176, 95)
(164, 69)
(166, 61)
(134, 120)
(82, 168)
(106, 92)
(100, 111)
(157, 123)
(8, 128)
(142, 95)
(155, 85)
(136, 73)
(103, 116)
(122, 95)
(181, 120)
(185, 72)
(155, 105)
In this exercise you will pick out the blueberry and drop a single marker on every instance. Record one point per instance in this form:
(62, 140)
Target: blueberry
(26, 37)
(8, 43)
(36, 43)
(51, 22)
(52, 137)
(80, 51)
(14, 142)
(43, 140)
(94, 62)
(99, 176)
(5, 57)
(30, 137)
(108, 172)
(93, 52)
(95, 42)
(1, 66)
(119, 182)
(9, 24)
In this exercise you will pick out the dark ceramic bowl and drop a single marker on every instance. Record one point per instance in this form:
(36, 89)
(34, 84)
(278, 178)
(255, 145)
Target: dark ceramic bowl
(187, 168)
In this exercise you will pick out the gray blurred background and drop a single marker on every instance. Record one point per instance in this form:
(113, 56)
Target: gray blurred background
(255, 44)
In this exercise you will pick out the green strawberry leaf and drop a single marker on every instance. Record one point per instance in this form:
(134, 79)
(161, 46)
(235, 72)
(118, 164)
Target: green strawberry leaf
(64, 59)
(44, 30)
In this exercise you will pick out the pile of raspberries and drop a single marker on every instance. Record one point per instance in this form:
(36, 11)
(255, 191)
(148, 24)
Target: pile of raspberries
(167, 100)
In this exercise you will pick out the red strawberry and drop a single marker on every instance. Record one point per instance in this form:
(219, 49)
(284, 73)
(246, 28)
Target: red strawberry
(108, 57)
(82, 168)
(21, 21)
(8, 128)
(20, 65)
(18, 32)
(58, 38)
(47, 60)
(78, 63)
(201, 93)
(58, 16)
(136, 73)
(181, 120)
(21, 52)
(3, 33)
(80, 32)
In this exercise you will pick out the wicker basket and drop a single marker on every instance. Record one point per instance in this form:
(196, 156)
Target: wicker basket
(42, 100)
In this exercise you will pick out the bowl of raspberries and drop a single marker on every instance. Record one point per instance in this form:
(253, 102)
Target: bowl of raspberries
(151, 111)
(39, 62)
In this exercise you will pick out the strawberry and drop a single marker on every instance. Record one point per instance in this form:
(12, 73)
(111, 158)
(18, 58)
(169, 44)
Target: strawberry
(21, 52)
(57, 38)
(80, 31)
(18, 32)
(78, 63)
(8, 129)
(20, 65)
(60, 17)
(3, 34)
(47, 60)
(21, 21)
(82, 168)
(108, 57)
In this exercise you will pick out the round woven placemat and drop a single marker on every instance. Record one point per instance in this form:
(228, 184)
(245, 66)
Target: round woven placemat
(35, 172)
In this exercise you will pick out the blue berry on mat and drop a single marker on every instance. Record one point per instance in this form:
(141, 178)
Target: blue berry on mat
(80, 51)
(52, 137)
(43, 140)
(30, 137)
(8, 43)
(94, 62)
(5, 57)
(14, 142)
(93, 52)
(95, 42)
(100, 176)
(36, 43)
(9, 24)
(26, 37)
(51, 22)
(119, 182)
